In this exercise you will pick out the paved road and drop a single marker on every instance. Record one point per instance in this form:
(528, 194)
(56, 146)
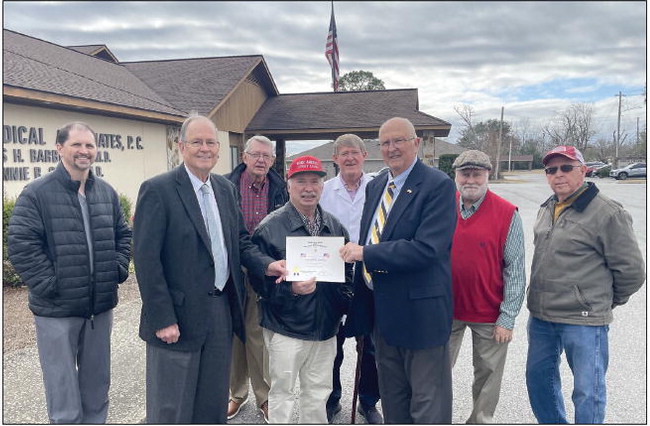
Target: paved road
(23, 400)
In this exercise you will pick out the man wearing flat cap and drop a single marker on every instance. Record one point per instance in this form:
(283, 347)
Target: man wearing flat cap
(300, 319)
(586, 263)
(488, 278)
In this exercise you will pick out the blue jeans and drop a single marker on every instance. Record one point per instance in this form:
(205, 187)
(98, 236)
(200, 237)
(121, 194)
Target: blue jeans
(587, 353)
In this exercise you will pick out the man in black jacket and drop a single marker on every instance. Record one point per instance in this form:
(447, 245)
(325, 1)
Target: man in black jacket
(261, 191)
(69, 242)
(301, 318)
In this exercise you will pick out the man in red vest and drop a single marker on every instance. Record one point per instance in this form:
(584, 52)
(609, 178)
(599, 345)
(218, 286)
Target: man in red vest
(488, 278)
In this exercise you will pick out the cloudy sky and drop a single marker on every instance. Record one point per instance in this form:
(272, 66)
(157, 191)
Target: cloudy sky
(533, 58)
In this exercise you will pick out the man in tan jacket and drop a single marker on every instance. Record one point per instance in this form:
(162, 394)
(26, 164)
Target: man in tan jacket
(586, 263)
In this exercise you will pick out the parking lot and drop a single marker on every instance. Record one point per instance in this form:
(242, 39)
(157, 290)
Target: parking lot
(23, 399)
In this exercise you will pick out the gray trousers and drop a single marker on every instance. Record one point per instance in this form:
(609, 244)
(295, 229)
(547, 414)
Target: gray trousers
(414, 385)
(192, 387)
(488, 359)
(76, 362)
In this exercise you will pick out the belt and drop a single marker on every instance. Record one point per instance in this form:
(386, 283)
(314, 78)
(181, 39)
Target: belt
(215, 292)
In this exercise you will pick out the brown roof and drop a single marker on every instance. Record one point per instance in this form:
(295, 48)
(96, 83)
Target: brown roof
(87, 49)
(443, 147)
(34, 64)
(327, 115)
(97, 50)
(200, 84)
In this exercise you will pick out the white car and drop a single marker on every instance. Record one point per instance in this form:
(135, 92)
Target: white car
(631, 170)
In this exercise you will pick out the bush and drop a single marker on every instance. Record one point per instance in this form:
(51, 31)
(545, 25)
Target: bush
(127, 206)
(604, 172)
(445, 162)
(9, 275)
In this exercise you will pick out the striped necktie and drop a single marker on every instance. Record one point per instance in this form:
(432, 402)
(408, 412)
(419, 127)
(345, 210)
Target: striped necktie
(216, 239)
(378, 226)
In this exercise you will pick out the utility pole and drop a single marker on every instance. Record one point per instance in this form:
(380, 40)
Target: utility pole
(509, 155)
(618, 130)
(496, 169)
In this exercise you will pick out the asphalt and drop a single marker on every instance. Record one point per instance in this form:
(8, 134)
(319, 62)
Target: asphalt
(24, 401)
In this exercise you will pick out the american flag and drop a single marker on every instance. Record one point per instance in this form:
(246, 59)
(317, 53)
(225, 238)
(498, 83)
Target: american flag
(332, 51)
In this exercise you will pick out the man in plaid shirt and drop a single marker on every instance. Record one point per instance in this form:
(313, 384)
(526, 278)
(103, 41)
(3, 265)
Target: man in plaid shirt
(262, 190)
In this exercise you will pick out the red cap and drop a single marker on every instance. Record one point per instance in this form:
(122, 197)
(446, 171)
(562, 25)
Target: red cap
(305, 164)
(570, 152)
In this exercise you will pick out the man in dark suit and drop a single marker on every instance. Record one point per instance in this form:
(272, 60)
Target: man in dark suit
(190, 245)
(403, 279)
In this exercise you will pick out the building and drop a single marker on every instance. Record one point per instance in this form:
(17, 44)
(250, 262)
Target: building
(136, 109)
(374, 161)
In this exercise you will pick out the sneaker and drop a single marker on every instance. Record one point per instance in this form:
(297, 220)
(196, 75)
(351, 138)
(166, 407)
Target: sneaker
(264, 409)
(234, 407)
(371, 414)
(332, 411)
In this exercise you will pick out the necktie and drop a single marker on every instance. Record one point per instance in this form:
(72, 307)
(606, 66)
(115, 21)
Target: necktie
(378, 226)
(216, 240)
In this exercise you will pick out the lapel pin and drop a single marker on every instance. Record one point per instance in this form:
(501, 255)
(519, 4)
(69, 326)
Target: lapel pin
(408, 191)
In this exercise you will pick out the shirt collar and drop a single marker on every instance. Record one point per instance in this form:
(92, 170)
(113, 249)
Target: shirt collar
(571, 198)
(196, 182)
(401, 178)
(345, 185)
(474, 206)
(249, 182)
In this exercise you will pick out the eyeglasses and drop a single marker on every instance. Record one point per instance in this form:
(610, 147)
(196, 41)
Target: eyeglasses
(397, 142)
(349, 154)
(198, 143)
(566, 168)
(258, 155)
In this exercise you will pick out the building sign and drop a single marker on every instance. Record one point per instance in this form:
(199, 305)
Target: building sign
(25, 147)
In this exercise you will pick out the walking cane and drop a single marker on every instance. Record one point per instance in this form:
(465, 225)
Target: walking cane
(357, 375)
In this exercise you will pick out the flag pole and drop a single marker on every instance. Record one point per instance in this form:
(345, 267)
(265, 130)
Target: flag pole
(332, 50)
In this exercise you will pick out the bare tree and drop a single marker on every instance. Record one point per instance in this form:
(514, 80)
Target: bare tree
(465, 112)
(574, 126)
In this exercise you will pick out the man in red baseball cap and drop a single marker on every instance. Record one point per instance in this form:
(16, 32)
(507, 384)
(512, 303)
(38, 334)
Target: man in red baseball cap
(570, 152)
(300, 319)
(586, 263)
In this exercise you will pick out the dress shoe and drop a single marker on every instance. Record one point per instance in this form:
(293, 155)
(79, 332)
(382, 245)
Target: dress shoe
(234, 407)
(371, 414)
(332, 411)
(264, 409)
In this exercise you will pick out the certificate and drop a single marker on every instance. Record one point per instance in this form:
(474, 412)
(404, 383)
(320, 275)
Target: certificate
(309, 257)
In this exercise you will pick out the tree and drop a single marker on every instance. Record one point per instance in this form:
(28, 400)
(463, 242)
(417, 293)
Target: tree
(360, 80)
(574, 126)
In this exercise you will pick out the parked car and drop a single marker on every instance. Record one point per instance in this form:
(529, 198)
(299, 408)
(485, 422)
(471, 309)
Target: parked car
(594, 166)
(631, 170)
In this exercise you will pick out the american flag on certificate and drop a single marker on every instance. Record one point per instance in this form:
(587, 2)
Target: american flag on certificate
(332, 52)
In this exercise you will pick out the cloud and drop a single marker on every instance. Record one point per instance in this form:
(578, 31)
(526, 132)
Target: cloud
(536, 58)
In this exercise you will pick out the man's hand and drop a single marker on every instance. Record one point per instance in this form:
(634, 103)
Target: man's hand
(277, 269)
(351, 253)
(502, 335)
(304, 287)
(169, 334)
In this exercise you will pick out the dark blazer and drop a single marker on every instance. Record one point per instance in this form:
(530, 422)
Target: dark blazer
(173, 260)
(410, 267)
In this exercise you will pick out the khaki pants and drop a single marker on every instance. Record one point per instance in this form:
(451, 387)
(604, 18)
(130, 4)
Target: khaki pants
(249, 360)
(489, 358)
(312, 362)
